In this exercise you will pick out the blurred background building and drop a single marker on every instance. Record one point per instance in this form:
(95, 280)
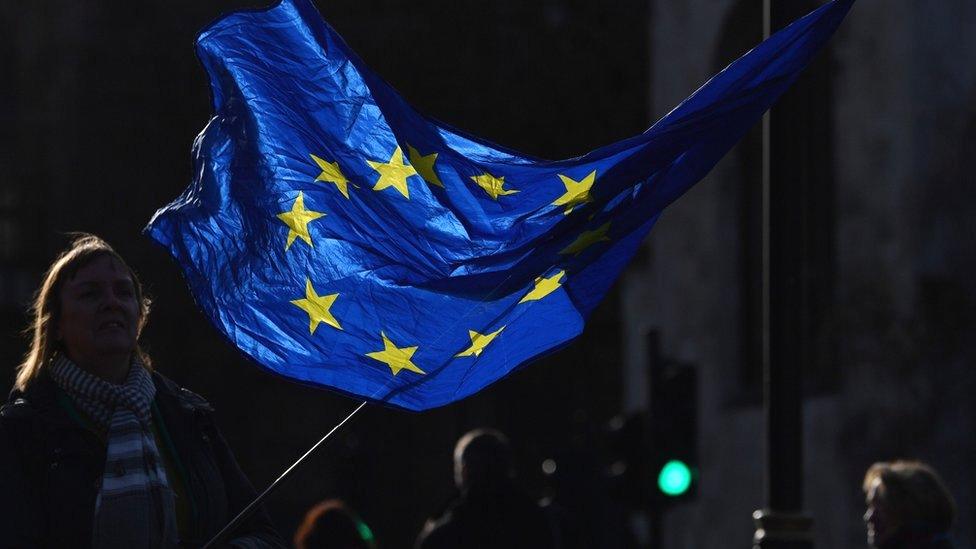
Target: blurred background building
(99, 103)
(891, 247)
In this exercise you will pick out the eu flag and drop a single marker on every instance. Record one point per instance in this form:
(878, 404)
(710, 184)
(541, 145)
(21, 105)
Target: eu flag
(342, 239)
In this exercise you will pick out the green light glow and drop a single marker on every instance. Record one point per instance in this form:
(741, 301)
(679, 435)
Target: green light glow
(364, 531)
(675, 478)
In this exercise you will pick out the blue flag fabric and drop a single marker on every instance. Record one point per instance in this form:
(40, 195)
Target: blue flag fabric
(342, 239)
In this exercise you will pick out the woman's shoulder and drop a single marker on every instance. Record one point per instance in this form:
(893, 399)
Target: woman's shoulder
(40, 395)
(179, 395)
(16, 425)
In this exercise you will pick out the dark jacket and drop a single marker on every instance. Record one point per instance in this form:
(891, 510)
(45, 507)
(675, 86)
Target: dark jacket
(917, 537)
(500, 518)
(51, 465)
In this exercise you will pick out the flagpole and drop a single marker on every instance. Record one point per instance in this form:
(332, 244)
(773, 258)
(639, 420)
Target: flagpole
(782, 524)
(251, 507)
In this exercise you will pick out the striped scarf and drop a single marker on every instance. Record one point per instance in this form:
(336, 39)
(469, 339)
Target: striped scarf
(135, 505)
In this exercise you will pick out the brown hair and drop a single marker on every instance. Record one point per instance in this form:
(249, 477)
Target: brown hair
(913, 492)
(332, 524)
(46, 309)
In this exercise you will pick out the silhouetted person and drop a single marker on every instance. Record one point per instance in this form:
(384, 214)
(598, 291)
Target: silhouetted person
(908, 506)
(491, 511)
(333, 525)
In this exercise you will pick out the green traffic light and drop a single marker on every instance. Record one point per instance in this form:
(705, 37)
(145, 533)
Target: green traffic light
(675, 478)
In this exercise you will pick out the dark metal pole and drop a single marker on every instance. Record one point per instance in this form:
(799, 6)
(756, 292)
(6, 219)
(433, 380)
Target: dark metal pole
(781, 524)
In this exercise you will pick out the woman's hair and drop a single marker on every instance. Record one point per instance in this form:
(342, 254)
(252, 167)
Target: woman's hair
(914, 493)
(331, 524)
(46, 309)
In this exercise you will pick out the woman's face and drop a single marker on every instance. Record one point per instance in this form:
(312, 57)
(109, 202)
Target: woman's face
(879, 521)
(99, 312)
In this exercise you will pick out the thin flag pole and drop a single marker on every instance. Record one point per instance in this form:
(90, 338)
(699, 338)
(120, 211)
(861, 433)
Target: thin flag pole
(249, 510)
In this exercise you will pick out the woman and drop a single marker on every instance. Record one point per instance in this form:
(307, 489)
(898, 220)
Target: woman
(908, 506)
(96, 448)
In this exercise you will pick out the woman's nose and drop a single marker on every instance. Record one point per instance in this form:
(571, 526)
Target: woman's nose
(111, 301)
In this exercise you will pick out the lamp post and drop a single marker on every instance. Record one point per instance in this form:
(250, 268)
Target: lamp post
(782, 524)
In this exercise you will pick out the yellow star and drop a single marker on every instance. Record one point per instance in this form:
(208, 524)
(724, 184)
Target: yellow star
(397, 358)
(544, 286)
(425, 166)
(587, 239)
(317, 307)
(332, 174)
(393, 173)
(478, 342)
(577, 192)
(494, 186)
(297, 220)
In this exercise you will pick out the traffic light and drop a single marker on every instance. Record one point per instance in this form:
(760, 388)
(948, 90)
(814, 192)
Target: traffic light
(653, 455)
(674, 431)
(674, 478)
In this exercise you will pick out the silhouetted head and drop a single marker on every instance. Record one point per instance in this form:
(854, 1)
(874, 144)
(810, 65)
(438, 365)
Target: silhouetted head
(905, 498)
(333, 525)
(482, 459)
